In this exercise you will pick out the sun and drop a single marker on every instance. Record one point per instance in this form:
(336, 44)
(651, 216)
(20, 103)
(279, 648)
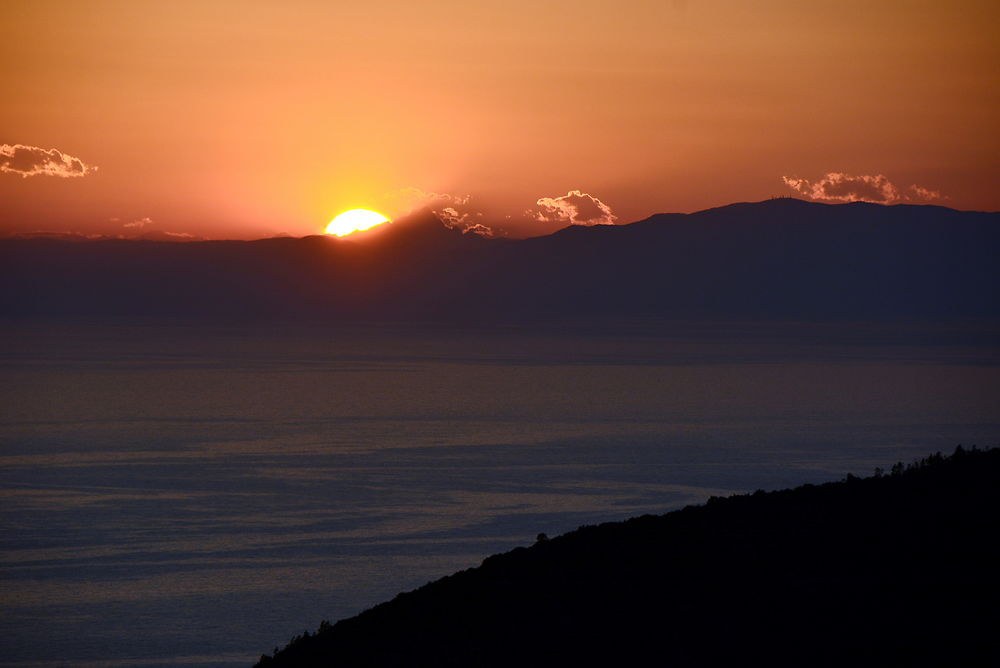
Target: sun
(355, 220)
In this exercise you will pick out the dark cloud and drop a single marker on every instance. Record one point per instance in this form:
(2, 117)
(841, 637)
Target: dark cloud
(28, 161)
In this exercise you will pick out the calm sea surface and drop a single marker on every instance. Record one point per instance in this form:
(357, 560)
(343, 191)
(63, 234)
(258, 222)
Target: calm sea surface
(193, 496)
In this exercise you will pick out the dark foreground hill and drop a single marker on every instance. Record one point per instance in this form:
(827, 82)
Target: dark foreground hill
(781, 259)
(896, 569)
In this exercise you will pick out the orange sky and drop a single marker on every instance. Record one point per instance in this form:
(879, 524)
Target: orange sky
(244, 118)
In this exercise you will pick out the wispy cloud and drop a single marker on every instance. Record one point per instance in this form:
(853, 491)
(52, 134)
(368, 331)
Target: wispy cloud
(411, 198)
(924, 194)
(139, 223)
(461, 218)
(576, 208)
(157, 235)
(28, 161)
(455, 211)
(841, 187)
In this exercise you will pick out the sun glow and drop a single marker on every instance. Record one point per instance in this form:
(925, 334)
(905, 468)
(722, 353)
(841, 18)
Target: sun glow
(354, 221)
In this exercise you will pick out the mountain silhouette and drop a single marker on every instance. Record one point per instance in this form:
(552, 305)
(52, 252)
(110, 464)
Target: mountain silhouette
(895, 569)
(782, 259)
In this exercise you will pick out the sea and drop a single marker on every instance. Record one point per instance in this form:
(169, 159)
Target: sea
(192, 494)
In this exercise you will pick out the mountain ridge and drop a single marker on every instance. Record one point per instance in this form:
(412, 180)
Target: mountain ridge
(772, 260)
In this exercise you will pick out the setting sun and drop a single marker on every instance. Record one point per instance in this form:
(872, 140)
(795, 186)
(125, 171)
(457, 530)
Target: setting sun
(354, 221)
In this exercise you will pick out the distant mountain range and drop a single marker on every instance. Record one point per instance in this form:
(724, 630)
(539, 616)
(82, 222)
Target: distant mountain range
(781, 259)
(899, 569)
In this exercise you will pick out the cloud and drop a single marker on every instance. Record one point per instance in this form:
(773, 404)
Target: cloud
(924, 194)
(157, 235)
(411, 198)
(841, 187)
(140, 222)
(34, 161)
(452, 218)
(480, 229)
(454, 211)
(576, 208)
(464, 220)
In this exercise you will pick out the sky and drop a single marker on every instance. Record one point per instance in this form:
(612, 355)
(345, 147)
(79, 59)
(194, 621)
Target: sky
(246, 119)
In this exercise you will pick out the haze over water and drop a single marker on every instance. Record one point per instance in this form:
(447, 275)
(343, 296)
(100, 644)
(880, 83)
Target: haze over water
(193, 496)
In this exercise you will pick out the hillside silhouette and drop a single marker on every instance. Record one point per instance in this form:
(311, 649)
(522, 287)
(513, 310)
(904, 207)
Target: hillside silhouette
(896, 569)
(782, 259)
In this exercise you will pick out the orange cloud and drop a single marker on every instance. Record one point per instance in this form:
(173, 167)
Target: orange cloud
(576, 208)
(34, 161)
(841, 187)
(924, 194)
